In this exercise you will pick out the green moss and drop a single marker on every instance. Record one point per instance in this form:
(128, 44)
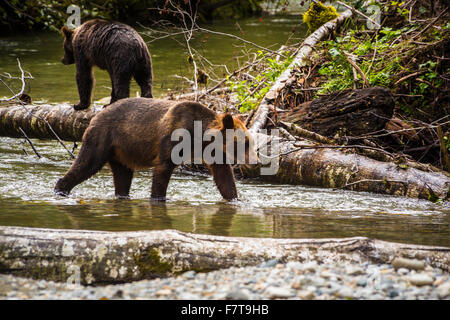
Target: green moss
(150, 264)
(319, 14)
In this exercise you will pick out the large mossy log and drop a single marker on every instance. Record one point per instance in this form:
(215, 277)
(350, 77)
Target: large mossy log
(108, 257)
(357, 112)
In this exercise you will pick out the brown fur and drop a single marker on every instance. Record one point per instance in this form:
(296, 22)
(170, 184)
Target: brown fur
(112, 46)
(135, 133)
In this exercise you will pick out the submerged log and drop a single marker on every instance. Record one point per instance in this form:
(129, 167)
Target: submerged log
(357, 112)
(110, 257)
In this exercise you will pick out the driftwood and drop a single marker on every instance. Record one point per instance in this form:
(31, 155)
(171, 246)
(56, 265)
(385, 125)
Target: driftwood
(108, 257)
(330, 168)
(357, 112)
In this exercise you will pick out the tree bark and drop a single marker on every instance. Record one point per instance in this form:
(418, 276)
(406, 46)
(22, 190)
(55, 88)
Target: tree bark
(358, 112)
(112, 257)
(35, 121)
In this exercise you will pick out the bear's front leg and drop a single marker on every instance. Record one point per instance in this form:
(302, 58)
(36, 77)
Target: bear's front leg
(224, 179)
(160, 181)
(85, 83)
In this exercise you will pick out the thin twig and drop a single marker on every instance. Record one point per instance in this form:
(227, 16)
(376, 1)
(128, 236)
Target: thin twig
(358, 12)
(374, 180)
(37, 117)
(29, 141)
(358, 69)
(22, 78)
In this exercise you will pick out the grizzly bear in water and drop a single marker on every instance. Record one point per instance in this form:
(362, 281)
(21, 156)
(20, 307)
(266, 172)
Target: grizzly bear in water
(111, 46)
(138, 133)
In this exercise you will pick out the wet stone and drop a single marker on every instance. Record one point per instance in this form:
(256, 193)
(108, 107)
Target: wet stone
(411, 264)
(277, 292)
(420, 279)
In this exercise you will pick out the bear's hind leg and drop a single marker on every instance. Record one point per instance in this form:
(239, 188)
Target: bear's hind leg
(122, 179)
(143, 77)
(85, 83)
(121, 84)
(160, 180)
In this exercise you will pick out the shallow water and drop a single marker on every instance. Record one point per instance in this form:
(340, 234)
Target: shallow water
(195, 205)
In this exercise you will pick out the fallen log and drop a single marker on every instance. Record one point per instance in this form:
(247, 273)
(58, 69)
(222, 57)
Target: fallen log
(37, 121)
(333, 168)
(358, 112)
(112, 257)
(330, 168)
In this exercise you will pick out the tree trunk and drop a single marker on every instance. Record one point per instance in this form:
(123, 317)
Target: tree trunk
(112, 257)
(329, 168)
(37, 121)
(357, 112)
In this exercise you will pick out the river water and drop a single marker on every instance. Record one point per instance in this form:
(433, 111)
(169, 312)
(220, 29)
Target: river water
(195, 205)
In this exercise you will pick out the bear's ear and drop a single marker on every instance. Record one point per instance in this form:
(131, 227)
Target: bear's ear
(227, 121)
(66, 32)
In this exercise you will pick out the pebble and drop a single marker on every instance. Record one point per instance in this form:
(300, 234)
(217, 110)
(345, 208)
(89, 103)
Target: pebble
(402, 271)
(269, 263)
(310, 266)
(420, 279)
(277, 292)
(306, 294)
(354, 271)
(345, 292)
(443, 291)
(307, 280)
(238, 294)
(362, 282)
(411, 264)
(163, 292)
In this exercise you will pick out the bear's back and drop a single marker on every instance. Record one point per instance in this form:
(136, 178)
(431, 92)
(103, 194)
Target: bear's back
(143, 118)
(137, 127)
(104, 42)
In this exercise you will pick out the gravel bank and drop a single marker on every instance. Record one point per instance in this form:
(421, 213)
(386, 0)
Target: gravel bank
(408, 280)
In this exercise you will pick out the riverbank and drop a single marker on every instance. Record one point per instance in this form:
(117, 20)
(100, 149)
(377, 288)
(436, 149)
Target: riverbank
(269, 280)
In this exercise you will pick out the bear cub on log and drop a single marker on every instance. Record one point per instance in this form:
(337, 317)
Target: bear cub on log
(111, 46)
(136, 133)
